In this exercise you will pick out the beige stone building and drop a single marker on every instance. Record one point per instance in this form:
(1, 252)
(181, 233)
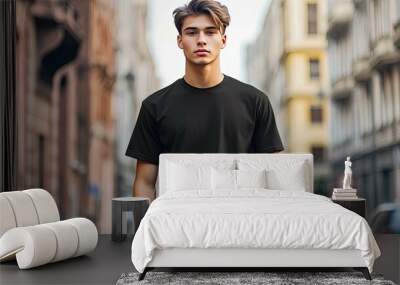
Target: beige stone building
(288, 62)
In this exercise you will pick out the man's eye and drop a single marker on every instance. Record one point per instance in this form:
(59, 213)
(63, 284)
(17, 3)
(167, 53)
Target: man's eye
(190, 33)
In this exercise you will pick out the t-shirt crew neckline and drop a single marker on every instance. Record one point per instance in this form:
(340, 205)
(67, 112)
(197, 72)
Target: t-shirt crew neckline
(193, 88)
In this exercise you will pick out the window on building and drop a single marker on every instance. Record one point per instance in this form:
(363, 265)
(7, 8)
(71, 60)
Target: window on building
(316, 114)
(314, 68)
(387, 184)
(312, 18)
(397, 94)
(318, 153)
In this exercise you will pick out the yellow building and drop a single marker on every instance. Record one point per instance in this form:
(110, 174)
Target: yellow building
(288, 61)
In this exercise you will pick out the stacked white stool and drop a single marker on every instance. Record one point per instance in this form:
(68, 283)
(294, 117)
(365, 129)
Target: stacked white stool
(31, 230)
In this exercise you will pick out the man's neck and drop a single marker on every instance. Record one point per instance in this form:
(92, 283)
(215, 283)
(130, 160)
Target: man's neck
(203, 76)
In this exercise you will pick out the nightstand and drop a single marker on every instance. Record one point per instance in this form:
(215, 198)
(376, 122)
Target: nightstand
(136, 205)
(358, 205)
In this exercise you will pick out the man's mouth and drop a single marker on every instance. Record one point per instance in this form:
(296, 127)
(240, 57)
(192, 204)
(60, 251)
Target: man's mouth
(202, 52)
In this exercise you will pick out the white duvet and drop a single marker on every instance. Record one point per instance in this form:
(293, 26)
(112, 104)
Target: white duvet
(250, 218)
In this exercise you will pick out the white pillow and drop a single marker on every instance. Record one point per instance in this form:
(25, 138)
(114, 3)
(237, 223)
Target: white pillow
(177, 178)
(184, 177)
(223, 178)
(236, 179)
(281, 175)
(251, 178)
(293, 180)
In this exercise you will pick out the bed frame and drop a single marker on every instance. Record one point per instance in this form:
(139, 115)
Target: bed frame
(261, 258)
(242, 258)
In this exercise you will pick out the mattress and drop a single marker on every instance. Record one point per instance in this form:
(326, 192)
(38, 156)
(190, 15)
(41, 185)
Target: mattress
(250, 218)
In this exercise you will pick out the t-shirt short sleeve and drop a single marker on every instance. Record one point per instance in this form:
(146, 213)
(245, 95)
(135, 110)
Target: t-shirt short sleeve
(145, 143)
(266, 135)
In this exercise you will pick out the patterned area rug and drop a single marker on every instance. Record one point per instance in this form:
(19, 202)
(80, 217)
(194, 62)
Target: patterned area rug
(230, 278)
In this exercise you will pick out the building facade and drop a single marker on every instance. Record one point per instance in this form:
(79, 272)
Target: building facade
(288, 61)
(96, 82)
(49, 38)
(65, 76)
(136, 79)
(364, 59)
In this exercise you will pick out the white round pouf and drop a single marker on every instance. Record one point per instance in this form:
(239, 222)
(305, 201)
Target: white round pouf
(30, 230)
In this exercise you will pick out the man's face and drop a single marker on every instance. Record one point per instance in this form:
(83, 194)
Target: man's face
(201, 40)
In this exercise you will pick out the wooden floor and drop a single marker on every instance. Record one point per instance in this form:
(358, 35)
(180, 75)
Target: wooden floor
(111, 259)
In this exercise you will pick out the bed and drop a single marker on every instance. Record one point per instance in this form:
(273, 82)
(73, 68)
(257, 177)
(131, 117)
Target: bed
(247, 210)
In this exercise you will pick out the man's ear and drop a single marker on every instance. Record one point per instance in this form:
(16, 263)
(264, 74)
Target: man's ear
(179, 41)
(223, 41)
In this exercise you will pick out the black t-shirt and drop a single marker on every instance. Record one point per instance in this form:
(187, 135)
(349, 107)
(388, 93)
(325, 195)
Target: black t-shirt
(231, 117)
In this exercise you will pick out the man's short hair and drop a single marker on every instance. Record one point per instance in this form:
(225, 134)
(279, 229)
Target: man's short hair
(218, 12)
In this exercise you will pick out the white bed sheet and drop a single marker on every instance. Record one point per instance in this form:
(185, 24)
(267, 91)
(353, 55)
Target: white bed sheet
(250, 218)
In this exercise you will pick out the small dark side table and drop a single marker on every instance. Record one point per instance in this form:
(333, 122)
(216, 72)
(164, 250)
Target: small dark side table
(137, 205)
(358, 205)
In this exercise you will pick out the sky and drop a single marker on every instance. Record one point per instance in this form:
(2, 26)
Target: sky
(246, 20)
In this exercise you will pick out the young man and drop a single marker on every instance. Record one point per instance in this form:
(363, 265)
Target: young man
(205, 111)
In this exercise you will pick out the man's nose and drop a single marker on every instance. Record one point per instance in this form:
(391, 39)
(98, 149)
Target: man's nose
(201, 40)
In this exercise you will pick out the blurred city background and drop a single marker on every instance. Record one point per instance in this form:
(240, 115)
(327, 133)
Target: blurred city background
(331, 69)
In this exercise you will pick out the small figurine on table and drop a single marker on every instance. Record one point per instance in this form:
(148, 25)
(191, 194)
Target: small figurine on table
(347, 174)
(346, 192)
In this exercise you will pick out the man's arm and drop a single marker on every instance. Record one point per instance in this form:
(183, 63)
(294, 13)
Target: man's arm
(145, 180)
